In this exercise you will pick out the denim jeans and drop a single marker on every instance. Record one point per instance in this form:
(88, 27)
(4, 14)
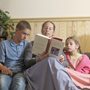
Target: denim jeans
(16, 82)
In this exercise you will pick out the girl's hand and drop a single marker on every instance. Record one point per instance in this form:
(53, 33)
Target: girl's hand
(61, 58)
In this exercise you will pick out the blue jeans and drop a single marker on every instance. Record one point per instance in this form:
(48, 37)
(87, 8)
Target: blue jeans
(16, 82)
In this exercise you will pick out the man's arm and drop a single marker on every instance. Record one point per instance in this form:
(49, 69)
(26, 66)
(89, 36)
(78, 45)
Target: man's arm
(28, 57)
(3, 68)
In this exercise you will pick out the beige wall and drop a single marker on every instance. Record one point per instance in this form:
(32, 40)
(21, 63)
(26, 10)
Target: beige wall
(79, 26)
(46, 8)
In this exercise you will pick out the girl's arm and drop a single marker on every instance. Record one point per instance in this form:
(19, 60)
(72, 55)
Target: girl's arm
(84, 65)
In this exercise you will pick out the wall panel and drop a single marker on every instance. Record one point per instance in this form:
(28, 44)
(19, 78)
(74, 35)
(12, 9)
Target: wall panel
(78, 26)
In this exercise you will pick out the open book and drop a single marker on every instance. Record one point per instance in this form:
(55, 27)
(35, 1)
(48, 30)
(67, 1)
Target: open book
(45, 44)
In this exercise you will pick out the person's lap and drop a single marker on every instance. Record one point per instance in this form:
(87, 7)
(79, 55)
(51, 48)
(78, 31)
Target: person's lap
(46, 72)
(16, 82)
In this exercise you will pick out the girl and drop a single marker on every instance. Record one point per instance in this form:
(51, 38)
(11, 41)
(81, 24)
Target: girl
(79, 64)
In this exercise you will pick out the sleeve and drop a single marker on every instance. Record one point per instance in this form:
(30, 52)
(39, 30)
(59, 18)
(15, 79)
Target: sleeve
(2, 52)
(84, 65)
(28, 57)
(65, 62)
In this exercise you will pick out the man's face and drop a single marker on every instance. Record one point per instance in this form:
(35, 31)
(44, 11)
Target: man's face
(48, 30)
(22, 34)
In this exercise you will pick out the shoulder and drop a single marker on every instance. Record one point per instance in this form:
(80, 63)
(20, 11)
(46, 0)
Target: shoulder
(4, 42)
(87, 53)
(25, 43)
(28, 44)
(85, 56)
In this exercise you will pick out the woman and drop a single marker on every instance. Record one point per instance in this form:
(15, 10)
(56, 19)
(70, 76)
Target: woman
(48, 29)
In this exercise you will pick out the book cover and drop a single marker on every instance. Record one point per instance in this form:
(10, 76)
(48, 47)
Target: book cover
(45, 44)
(56, 47)
(40, 44)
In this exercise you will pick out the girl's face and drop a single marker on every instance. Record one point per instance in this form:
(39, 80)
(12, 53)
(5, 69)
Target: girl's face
(48, 30)
(71, 45)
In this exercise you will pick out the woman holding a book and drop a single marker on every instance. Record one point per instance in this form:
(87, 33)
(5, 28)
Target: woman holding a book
(48, 29)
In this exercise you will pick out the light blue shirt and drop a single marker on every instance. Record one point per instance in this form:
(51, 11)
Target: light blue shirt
(12, 54)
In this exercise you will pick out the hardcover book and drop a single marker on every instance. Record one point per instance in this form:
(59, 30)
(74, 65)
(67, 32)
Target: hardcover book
(45, 44)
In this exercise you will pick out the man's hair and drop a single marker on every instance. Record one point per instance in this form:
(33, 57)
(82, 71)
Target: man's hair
(23, 25)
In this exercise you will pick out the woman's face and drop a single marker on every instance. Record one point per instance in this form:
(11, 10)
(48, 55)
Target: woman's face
(48, 30)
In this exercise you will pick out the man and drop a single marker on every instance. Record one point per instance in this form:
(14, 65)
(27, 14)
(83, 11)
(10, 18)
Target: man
(12, 58)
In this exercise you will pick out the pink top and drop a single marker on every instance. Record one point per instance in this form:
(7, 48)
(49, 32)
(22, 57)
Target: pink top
(80, 74)
(82, 65)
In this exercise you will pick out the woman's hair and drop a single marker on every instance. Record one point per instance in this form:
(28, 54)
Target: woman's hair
(22, 25)
(49, 22)
(75, 39)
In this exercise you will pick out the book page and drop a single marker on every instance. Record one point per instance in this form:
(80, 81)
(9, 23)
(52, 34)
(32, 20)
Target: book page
(56, 47)
(40, 44)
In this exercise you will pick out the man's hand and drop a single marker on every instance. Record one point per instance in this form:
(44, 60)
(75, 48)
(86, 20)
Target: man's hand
(5, 70)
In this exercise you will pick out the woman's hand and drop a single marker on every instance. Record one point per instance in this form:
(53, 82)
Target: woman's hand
(42, 56)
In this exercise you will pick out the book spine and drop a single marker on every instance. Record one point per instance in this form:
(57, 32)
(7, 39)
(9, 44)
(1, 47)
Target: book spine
(48, 45)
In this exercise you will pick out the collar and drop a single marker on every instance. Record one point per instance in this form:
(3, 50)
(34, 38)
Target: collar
(12, 43)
